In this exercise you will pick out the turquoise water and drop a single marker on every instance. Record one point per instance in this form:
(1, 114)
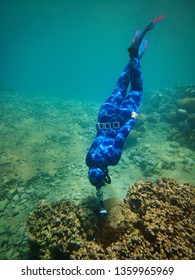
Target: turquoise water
(78, 48)
(59, 61)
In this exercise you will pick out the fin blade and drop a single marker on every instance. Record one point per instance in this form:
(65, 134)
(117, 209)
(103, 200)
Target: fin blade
(142, 47)
(157, 19)
(152, 24)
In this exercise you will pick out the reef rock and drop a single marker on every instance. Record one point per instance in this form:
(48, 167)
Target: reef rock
(175, 107)
(155, 221)
(187, 104)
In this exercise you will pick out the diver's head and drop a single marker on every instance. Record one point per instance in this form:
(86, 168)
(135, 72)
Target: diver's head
(98, 177)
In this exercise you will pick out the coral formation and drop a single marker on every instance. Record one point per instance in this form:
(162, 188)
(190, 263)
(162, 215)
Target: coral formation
(147, 161)
(176, 107)
(187, 103)
(155, 221)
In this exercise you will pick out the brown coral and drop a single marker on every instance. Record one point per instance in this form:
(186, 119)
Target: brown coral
(155, 221)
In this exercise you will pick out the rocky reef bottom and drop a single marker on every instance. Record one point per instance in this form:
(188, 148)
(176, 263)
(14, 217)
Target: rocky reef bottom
(155, 221)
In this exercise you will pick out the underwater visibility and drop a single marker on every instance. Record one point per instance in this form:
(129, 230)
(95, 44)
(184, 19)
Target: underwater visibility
(97, 123)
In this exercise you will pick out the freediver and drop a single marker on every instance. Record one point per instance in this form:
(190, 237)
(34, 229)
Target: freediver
(117, 117)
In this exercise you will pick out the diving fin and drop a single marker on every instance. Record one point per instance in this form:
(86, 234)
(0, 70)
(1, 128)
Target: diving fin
(152, 24)
(139, 43)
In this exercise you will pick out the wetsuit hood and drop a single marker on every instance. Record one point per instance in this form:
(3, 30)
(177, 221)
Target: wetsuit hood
(96, 177)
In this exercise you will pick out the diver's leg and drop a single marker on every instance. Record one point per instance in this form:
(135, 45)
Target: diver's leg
(107, 112)
(133, 100)
(136, 75)
(120, 91)
(135, 93)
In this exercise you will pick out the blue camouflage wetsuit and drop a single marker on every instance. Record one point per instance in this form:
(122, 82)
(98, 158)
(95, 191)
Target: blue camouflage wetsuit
(116, 117)
(115, 120)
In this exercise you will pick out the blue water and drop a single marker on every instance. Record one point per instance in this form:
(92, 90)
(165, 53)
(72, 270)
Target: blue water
(77, 49)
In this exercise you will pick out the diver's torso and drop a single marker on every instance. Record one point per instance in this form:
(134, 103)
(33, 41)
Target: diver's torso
(102, 152)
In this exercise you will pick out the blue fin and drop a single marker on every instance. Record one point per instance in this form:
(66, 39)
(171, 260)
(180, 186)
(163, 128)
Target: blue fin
(142, 47)
(139, 43)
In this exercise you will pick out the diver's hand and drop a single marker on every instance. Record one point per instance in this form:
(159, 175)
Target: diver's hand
(134, 115)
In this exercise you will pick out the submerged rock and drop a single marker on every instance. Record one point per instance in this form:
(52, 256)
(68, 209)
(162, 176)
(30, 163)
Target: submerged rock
(187, 103)
(175, 107)
(155, 221)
